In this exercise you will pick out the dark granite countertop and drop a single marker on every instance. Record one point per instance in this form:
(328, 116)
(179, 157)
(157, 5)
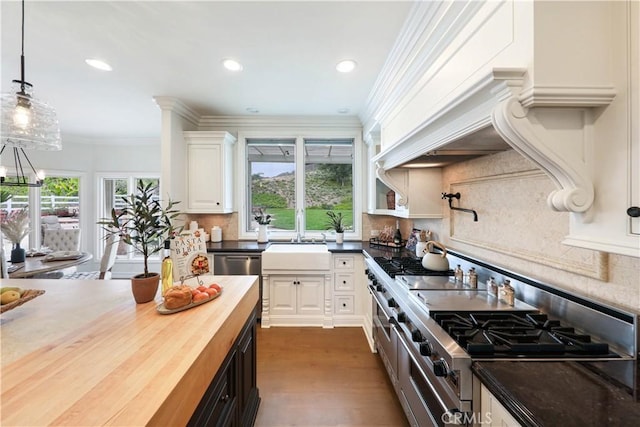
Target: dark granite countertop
(253, 246)
(560, 393)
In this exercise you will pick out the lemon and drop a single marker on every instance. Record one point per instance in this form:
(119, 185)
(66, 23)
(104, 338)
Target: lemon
(9, 296)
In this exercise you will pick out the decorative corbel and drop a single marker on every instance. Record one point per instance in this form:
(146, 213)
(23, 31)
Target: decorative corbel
(388, 180)
(563, 157)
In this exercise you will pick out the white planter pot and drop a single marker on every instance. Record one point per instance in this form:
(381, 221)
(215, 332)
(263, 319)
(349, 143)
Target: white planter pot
(339, 237)
(263, 233)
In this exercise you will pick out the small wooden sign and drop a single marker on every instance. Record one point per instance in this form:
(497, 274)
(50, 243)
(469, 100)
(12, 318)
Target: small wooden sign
(189, 255)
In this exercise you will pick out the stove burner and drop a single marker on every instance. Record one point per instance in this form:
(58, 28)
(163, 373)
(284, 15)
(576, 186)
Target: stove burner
(518, 335)
(407, 266)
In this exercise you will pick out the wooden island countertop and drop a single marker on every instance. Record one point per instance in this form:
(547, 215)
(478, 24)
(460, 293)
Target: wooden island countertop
(84, 353)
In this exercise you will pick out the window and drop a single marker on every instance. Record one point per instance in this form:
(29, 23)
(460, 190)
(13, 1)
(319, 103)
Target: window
(112, 189)
(56, 204)
(328, 177)
(59, 203)
(297, 180)
(272, 171)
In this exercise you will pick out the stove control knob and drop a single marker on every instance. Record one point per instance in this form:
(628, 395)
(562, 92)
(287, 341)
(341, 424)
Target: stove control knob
(426, 349)
(374, 281)
(416, 336)
(440, 368)
(366, 271)
(402, 317)
(391, 302)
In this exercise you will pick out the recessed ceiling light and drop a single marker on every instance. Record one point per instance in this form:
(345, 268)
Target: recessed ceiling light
(346, 66)
(343, 110)
(253, 110)
(99, 64)
(232, 65)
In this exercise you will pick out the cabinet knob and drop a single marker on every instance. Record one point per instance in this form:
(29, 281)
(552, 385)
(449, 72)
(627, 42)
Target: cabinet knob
(218, 203)
(344, 282)
(633, 211)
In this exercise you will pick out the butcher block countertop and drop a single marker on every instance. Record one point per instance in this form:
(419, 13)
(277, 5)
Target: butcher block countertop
(84, 353)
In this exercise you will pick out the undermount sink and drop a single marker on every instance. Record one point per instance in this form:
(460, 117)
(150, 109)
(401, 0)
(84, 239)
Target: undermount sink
(295, 257)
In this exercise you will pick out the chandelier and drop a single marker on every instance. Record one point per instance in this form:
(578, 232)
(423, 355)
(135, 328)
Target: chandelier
(27, 123)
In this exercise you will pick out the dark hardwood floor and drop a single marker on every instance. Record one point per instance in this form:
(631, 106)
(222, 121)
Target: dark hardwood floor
(323, 377)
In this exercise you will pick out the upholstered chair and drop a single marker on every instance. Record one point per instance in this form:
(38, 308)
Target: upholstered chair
(62, 239)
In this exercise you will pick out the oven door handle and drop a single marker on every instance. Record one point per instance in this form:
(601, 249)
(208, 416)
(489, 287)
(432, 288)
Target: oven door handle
(379, 303)
(443, 405)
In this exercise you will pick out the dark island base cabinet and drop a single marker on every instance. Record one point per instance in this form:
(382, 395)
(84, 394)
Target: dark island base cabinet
(232, 398)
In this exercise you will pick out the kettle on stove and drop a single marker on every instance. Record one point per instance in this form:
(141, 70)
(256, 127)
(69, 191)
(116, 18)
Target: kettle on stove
(435, 261)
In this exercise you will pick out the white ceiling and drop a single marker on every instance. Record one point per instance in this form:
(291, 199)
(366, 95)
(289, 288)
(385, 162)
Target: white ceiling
(289, 51)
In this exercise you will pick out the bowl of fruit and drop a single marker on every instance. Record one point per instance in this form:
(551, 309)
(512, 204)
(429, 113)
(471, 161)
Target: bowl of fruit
(12, 297)
(183, 297)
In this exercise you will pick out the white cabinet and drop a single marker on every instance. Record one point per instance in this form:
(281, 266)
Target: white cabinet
(296, 295)
(614, 159)
(296, 300)
(348, 289)
(495, 414)
(418, 192)
(209, 172)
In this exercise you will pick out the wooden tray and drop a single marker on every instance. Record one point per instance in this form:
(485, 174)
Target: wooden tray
(162, 310)
(27, 295)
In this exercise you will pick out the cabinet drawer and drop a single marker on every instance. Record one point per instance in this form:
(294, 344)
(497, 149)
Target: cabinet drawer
(343, 262)
(343, 282)
(219, 401)
(343, 304)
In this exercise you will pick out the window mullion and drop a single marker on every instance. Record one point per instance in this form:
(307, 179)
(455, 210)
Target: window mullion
(300, 184)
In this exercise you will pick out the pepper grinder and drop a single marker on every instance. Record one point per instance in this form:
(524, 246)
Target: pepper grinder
(473, 278)
(508, 293)
(458, 274)
(492, 287)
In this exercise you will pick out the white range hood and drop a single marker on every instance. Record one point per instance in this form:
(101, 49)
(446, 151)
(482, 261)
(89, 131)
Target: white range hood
(533, 71)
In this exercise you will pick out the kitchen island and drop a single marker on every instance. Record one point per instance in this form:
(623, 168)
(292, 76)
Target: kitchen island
(84, 353)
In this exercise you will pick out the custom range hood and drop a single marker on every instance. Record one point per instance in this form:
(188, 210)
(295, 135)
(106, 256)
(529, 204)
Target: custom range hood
(549, 126)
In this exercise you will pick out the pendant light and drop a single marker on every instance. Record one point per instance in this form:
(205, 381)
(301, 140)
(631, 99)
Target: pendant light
(27, 123)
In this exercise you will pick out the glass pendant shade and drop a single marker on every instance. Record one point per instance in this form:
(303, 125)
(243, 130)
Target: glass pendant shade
(28, 122)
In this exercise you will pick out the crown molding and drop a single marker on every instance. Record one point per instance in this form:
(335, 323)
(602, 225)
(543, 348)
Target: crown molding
(262, 122)
(567, 96)
(430, 29)
(175, 105)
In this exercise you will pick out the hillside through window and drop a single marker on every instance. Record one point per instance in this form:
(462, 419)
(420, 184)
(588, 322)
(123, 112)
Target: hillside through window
(297, 181)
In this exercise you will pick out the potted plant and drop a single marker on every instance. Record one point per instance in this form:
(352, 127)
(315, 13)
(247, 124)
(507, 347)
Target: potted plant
(263, 221)
(15, 227)
(143, 224)
(336, 222)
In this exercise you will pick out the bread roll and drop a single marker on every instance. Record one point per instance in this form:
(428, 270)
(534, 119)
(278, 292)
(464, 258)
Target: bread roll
(177, 296)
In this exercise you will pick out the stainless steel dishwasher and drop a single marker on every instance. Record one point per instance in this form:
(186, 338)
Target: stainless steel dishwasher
(239, 264)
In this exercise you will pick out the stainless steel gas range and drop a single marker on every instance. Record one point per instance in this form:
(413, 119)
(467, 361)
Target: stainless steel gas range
(429, 328)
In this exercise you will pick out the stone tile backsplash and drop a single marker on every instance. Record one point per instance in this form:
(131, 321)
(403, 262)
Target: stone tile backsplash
(517, 230)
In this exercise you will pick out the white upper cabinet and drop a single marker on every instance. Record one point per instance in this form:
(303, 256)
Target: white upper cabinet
(403, 192)
(417, 192)
(209, 172)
